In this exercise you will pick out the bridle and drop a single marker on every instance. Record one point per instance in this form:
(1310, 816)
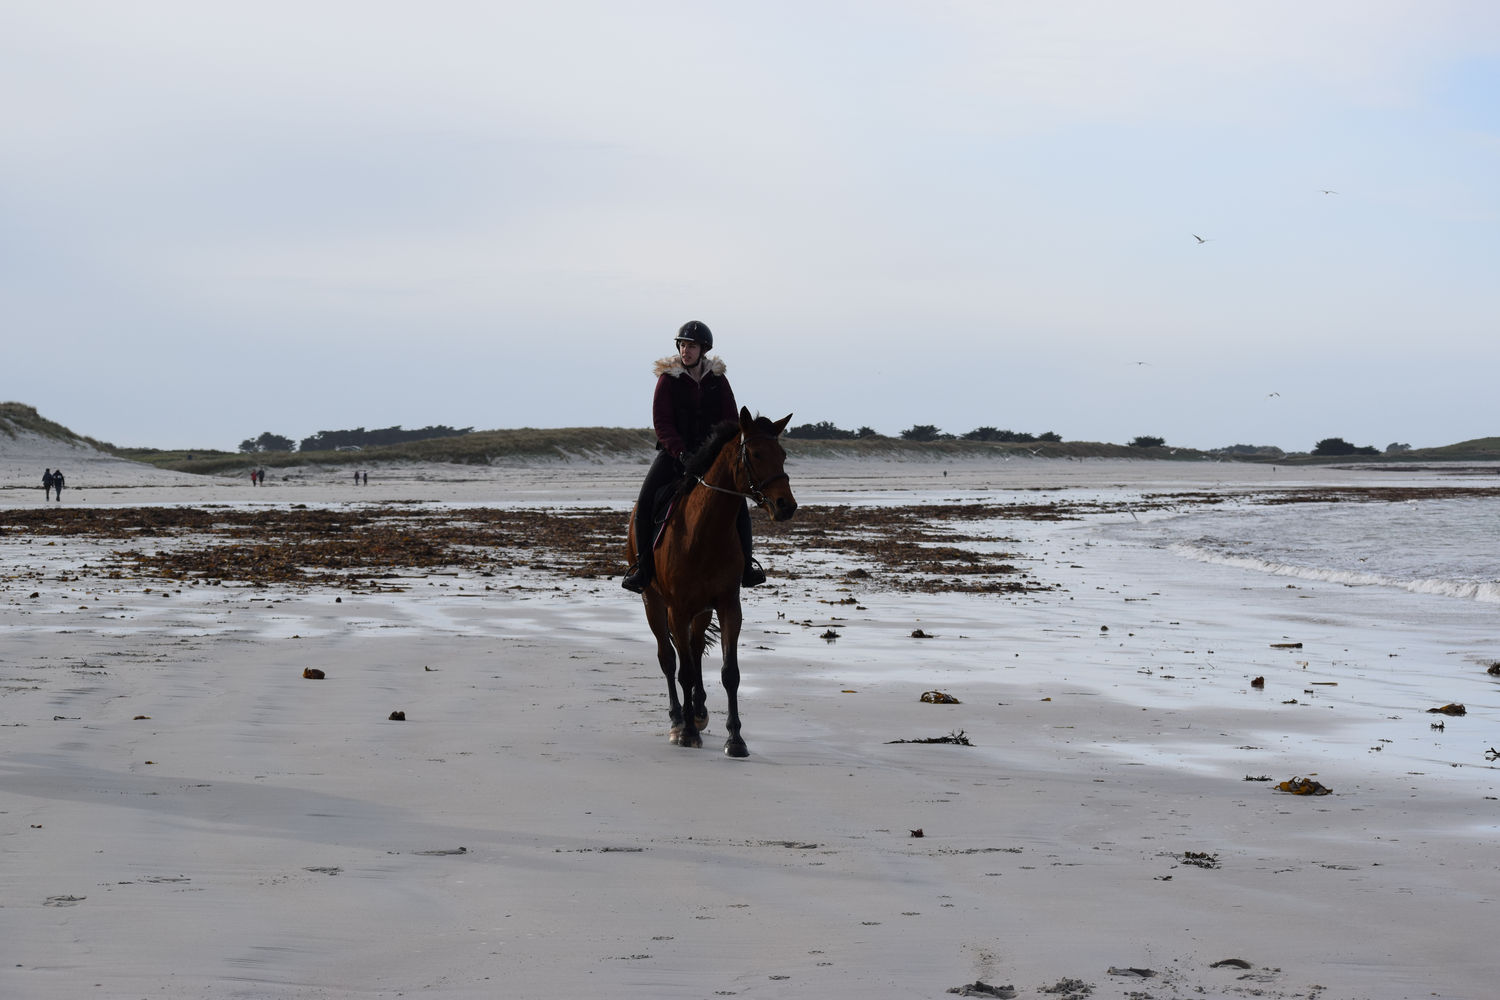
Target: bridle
(755, 493)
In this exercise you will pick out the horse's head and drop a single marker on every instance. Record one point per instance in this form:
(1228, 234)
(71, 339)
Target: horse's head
(763, 462)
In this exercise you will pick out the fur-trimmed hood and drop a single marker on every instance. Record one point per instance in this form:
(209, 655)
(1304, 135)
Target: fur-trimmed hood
(672, 365)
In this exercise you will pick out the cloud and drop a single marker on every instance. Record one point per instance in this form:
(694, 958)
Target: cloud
(954, 206)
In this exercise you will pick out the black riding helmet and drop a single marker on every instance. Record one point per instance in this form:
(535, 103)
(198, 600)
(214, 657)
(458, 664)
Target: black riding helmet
(698, 333)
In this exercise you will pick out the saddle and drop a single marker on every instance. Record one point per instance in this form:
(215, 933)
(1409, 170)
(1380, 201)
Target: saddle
(662, 506)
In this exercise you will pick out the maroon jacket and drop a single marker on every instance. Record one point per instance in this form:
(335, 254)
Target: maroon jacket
(685, 409)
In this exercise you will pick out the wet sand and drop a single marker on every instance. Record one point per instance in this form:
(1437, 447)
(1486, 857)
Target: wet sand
(182, 814)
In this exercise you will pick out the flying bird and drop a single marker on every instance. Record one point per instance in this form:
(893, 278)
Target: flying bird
(1200, 239)
(1270, 394)
(1326, 191)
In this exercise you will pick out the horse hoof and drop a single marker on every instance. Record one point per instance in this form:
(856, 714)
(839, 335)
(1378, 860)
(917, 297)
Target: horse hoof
(735, 747)
(701, 722)
(692, 742)
(675, 736)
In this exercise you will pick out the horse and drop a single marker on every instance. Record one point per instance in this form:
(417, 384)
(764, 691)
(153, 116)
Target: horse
(699, 565)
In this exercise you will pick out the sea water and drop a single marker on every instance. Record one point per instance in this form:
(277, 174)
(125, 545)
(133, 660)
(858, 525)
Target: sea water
(1445, 547)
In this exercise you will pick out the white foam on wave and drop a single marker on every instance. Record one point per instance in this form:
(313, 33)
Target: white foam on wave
(1478, 590)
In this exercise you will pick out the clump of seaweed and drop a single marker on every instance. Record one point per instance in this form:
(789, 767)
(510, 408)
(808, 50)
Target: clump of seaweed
(957, 738)
(1304, 786)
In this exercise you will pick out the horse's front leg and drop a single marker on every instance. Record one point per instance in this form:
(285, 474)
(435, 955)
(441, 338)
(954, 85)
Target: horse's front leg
(730, 619)
(666, 658)
(690, 680)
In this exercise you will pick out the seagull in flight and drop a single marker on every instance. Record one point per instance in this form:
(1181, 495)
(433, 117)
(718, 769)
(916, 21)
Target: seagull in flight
(1327, 191)
(1270, 394)
(1200, 239)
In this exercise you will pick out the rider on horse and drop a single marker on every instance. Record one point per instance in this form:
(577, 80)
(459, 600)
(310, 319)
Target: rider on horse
(692, 395)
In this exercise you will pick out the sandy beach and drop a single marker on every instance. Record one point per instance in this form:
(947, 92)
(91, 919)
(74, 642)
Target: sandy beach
(184, 815)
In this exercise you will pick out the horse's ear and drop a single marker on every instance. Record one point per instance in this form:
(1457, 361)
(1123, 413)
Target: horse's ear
(746, 421)
(780, 425)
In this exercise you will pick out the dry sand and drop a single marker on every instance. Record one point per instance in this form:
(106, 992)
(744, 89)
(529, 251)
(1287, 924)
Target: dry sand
(183, 815)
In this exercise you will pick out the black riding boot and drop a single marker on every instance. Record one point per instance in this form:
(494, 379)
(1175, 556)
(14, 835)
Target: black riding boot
(639, 577)
(754, 576)
(664, 469)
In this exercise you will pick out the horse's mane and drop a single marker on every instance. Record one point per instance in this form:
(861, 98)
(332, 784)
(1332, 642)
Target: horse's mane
(701, 460)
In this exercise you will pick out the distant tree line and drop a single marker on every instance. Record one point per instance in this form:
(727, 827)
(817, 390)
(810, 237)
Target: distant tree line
(1257, 450)
(268, 442)
(825, 430)
(1338, 446)
(356, 438)
(996, 434)
(821, 431)
(361, 438)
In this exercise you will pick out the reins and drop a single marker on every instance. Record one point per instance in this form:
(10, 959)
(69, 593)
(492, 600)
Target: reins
(755, 490)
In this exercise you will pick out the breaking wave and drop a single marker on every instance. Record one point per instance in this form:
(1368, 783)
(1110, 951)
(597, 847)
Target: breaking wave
(1479, 590)
(1438, 547)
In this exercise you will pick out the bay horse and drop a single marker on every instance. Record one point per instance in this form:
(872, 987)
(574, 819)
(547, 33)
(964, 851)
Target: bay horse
(699, 565)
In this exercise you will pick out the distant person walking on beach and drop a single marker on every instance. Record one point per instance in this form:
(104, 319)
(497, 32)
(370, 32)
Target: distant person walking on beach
(692, 395)
(57, 483)
(47, 484)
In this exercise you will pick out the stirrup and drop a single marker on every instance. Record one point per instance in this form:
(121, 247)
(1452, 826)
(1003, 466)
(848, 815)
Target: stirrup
(754, 574)
(636, 580)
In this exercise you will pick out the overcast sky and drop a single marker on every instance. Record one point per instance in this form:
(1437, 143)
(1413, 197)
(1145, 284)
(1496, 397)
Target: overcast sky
(218, 219)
